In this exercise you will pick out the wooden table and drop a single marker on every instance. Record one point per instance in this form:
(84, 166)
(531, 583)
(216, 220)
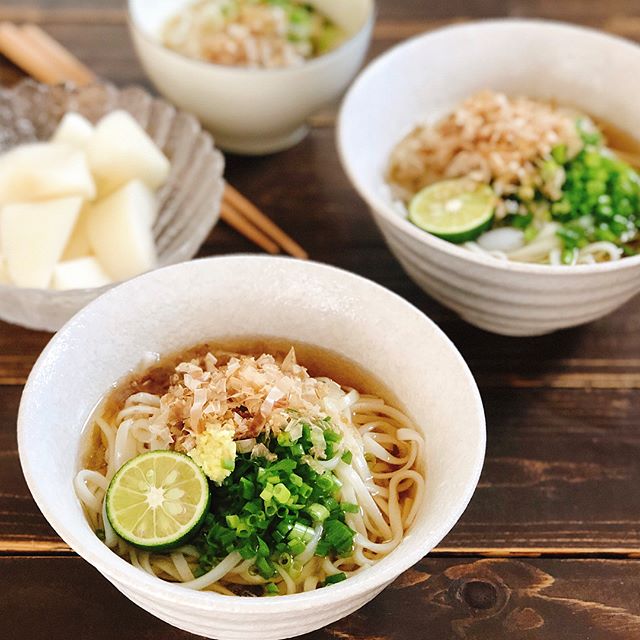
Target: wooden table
(549, 547)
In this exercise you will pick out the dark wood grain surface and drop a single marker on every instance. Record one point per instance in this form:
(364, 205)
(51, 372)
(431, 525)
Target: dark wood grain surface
(549, 547)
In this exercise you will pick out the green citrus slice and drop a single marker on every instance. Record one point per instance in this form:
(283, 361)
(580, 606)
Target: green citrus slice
(454, 210)
(158, 500)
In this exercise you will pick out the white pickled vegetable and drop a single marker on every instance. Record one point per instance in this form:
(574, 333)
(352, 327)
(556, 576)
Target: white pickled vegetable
(78, 245)
(135, 195)
(74, 130)
(4, 274)
(43, 170)
(120, 150)
(83, 273)
(121, 236)
(53, 231)
(33, 237)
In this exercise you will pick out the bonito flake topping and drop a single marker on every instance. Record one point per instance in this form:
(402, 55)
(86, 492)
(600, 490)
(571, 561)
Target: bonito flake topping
(242, 396)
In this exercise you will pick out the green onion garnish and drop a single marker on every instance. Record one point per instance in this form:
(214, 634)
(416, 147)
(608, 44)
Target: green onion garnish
(336, 577)
(267, 510)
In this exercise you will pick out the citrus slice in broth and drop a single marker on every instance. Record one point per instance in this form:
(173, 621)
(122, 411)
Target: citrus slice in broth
(454, 210)
(158, 500)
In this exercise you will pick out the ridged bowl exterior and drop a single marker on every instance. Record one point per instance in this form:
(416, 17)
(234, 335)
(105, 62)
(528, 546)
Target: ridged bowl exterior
(296, 300)
(189, 202)
(507, 301)
(287, 624)
(425, 78)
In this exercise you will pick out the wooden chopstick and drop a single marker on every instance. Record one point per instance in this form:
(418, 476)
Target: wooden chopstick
(72, 69)
(45, 59)
(265, 224)
(22, 52)
(235, 219)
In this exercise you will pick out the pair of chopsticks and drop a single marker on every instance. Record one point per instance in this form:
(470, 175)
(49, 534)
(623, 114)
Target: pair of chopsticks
(46, 60)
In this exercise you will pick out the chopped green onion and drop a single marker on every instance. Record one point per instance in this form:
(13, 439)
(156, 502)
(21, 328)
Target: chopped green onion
(335, 578)
(339, 536)
(323, 548)
(325, 482)
(265, 567)
(266, 510)
(263, 549)
(284, 439)
(233, 521)
(267, 493)
(318, 512)
(305, 491)
(247, 487)
(559, 153)
(349, 507)
(301, 532)
(295, 480)
(281, 494)
(246, 552)
(296, 547)
(332, 436)
(284, 560)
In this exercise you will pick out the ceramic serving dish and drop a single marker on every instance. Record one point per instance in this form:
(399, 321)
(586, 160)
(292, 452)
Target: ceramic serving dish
(189, 202)
(185, 304)
(251, 111)
(426, 77)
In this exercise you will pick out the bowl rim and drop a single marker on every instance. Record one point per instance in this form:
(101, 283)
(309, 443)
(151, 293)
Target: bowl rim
(115, 568)
(382, 207)
(324, 59)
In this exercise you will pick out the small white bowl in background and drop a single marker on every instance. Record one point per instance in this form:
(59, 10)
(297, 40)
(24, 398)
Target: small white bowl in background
(252, 111)
(425, 78)
(188, 202)
(189, 303)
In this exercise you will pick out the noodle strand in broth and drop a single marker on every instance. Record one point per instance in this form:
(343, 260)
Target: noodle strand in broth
(376, 463)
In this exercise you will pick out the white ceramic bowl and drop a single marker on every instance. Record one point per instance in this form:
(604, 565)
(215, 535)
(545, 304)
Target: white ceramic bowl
(425, 78)
(251, 111)
(188, 303)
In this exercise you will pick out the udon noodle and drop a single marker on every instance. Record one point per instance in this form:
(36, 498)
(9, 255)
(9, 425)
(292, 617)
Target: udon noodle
(377, 464)
(562, 192)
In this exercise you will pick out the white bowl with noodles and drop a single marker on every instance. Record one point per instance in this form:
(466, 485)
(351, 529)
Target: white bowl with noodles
(186, 304)
(252, 110)
(425, 78)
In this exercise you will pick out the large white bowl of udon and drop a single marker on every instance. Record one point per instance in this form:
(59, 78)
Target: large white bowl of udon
(424, 79)
(209, 299)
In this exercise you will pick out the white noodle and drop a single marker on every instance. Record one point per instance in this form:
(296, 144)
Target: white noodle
(388, 490)
(310, 549)
(217, 573)
(182, 566)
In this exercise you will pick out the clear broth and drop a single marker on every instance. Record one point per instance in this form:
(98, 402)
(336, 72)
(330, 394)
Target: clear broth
(156, 379)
